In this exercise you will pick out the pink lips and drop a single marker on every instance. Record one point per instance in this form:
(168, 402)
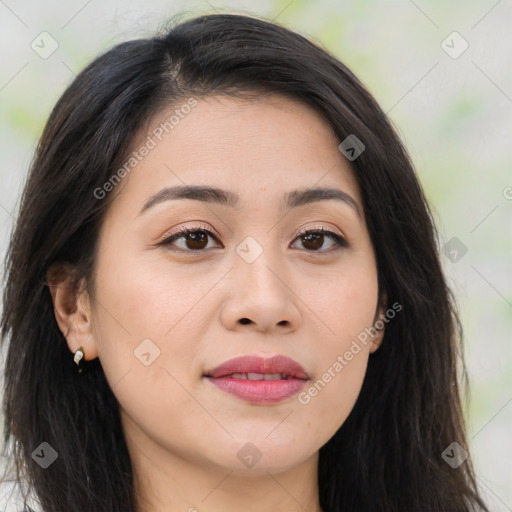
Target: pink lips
(259, 380)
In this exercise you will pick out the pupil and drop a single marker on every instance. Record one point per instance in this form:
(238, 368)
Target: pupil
(196, 240)
(315, 237)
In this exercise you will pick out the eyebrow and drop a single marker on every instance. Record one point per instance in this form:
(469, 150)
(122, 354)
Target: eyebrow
(292, 199)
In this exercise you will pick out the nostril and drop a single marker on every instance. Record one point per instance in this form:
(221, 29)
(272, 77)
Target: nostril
(245, 321)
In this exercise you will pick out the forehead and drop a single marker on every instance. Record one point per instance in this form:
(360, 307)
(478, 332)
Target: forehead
(259, 148)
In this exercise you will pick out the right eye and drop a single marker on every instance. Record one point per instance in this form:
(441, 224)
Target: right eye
(194, 239)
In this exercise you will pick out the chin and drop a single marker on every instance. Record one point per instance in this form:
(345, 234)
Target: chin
(259, 456)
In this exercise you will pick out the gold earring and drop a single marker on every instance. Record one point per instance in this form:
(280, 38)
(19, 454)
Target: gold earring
(79, 354)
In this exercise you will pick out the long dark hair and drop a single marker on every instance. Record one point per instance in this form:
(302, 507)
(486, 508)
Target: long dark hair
(388, 454)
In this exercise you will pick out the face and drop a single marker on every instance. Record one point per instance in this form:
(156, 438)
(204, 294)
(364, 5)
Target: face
(255, 278)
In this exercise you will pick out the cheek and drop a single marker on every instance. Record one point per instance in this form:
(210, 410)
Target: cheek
(331, 395)
(143, 296)
(343, 300)
(150, 318)
(149, 324)
(345, 306)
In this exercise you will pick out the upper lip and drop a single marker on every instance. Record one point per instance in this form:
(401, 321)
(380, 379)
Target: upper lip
(257, 364)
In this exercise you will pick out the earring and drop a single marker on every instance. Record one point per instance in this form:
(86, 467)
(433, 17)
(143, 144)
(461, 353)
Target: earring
(79, 354)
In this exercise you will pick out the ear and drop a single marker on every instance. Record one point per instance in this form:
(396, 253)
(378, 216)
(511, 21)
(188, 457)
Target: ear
(379, 323)
(72, 309)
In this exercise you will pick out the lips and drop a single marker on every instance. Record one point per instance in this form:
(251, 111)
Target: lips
(259, 380)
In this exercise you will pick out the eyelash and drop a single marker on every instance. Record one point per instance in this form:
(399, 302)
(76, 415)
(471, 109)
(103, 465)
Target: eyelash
(339, 240)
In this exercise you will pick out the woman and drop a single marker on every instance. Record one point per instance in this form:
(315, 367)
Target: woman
(224, 292)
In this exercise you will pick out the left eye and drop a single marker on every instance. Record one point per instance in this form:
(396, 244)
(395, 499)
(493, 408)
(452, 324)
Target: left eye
(196, 240)
(315, 239)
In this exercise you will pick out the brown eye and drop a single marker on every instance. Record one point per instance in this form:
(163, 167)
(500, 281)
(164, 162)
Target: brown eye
(196, 240)
(313, 240)
(192, 240)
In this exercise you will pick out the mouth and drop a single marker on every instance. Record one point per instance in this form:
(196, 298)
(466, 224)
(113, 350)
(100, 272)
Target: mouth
(259, 380)
(259, 376)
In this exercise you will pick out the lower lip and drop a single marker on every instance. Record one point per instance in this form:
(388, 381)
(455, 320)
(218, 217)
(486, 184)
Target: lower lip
(259, 391)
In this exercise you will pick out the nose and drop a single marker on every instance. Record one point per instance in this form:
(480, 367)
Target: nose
(260, 298)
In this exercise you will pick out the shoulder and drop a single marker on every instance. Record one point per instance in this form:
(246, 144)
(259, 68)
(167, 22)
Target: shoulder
(11, 498)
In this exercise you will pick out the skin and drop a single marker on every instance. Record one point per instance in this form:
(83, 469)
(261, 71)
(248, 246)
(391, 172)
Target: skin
(183, 434)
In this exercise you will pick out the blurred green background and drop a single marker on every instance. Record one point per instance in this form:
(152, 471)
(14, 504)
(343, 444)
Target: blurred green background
(452, 106)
